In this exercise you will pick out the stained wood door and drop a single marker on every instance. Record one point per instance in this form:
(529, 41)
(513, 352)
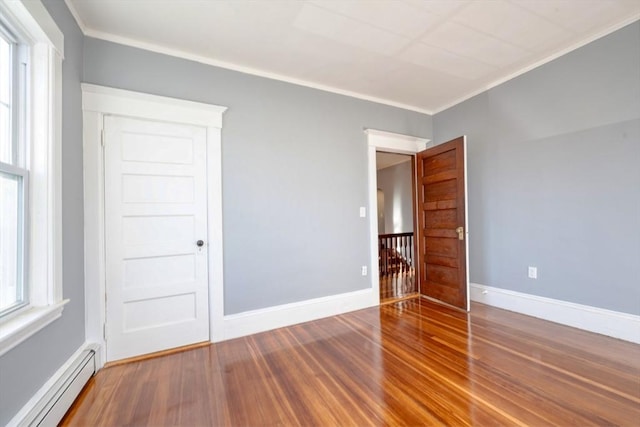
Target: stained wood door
(441, 214)
(155, 232)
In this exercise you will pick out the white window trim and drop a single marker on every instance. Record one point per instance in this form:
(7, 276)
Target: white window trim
(44, 273)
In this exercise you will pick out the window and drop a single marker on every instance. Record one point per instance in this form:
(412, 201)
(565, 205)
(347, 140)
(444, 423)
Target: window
(31, 52)
(13, 173)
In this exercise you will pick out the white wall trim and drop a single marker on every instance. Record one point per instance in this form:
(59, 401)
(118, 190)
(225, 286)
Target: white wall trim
(35, 22)
(127, 41)
(49, 404)
(215, 236)
(94, 255)
(107, 100)
(97, 101)
(176, 53)
(26, 323)
(539, 63)
(152, 47)
(265, 319)
(396, 142)
(45, 195)
(76, 16)
(379, 140)
(43, 245)
(601, 321)
(466, 222)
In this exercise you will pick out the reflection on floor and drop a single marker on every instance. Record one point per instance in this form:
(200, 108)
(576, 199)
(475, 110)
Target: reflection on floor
(411, 363)
(397, 286)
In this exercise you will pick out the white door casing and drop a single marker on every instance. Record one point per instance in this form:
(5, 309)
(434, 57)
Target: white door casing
(155, 212)
(378, 140)
(98, 102)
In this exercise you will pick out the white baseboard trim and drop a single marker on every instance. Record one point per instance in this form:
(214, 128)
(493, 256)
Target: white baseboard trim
(251, 322)
(606, 322)
(55, 397)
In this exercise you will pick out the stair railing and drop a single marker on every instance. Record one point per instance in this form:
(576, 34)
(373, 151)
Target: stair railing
(395, 253)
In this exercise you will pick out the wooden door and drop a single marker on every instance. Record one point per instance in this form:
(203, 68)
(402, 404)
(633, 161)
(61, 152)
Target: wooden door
(441, 214)
(155, 236)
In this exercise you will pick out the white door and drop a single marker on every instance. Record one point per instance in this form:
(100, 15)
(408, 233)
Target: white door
(155, 236)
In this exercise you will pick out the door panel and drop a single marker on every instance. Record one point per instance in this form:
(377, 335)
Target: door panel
(155, 212)
(441, 210)
(441, 219)
(446, 247)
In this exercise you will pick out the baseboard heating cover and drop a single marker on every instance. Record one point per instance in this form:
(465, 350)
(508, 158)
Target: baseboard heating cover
(48, 406)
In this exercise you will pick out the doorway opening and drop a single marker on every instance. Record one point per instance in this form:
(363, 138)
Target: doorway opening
(440, 234)
(396, 252)
(390, 143)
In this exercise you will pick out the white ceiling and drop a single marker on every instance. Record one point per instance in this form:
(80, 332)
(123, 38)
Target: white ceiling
(425, 55)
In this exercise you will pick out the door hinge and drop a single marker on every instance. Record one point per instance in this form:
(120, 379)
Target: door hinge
(104, 331)
(102, 137)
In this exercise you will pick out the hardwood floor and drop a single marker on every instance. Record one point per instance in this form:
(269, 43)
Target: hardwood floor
(397, 286)
(408, 363)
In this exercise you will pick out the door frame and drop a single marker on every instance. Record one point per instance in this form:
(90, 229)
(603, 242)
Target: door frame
(98, 101)
(378, 140)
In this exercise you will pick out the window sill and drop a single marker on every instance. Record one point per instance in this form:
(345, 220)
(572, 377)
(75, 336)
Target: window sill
(19, 328)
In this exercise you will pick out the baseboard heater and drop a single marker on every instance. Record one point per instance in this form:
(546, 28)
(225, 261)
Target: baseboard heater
(56, 402)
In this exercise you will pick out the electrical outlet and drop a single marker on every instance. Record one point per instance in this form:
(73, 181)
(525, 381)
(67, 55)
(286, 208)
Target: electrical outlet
(533, 272)
(363, 212)
(364, 270)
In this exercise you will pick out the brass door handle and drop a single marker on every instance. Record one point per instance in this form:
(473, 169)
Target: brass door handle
(460, 231)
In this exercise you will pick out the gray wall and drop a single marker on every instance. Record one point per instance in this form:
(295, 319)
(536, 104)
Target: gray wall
(553, 182)
(554, 176)
(395, 182)
(294, 172)
(24, 369)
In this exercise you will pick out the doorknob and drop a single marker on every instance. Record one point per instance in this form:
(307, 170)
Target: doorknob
(460, 231)
(200, 243)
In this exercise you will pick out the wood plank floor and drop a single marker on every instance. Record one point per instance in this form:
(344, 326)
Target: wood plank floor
(399, 285)
(409, 363)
